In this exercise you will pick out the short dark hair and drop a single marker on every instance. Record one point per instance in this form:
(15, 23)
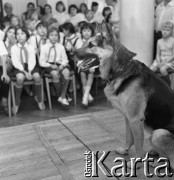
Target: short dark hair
(23, 29)
(94, 4)
(41, 24)
(52, 30)
(9, 28)
(69, 26)
(108, 17)
(83, 4)
(87, 26)
(32, 4)
(105, 9)
(51, 21)
(60, 3)
(47, 5)
(73, 6)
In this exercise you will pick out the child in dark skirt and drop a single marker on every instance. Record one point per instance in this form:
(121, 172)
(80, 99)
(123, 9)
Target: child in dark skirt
(24, 62)
(87, 77)
(54, 61)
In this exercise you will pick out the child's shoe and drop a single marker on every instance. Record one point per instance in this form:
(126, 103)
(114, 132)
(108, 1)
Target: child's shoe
(68, 98)
(41, 106)
(15, 109)
(85, 102)
(63, 101)
(90, 98)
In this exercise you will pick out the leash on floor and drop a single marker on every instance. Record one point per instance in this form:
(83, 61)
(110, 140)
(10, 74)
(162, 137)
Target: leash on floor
(81, 142)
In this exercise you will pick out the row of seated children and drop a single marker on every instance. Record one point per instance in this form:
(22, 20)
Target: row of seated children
(31, 55)
(74, 14)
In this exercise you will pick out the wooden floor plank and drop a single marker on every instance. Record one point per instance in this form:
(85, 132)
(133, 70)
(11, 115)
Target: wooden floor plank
(54, 149)
(66, 175)
(34, 175)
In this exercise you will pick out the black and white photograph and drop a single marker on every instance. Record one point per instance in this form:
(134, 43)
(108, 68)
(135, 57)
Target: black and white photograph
(86, 89)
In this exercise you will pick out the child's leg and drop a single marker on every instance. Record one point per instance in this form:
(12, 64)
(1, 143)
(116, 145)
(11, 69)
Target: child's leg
(83, 80)
(154, 67)
(4, 93)
(38, 90)
(88, 88)
(20, 77)
(66, 77)
(164, 69)
(55, 76)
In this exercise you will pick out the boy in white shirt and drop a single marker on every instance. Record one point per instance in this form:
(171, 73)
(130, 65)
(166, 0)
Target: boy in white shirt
(54, 61)
(38, 40)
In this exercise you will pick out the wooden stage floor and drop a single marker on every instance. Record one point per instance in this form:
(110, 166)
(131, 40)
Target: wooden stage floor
(54, 149)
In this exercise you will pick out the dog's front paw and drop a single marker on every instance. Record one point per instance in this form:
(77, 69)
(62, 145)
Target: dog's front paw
(122, 151)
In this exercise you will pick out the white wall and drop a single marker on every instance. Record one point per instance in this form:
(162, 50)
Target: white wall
(42, 2)
(76, 2)
(137, 26)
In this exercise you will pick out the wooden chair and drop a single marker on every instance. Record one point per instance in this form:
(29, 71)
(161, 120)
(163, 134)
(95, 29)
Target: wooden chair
(97, 77)
(26, 82)
(9, 104)
(49, 80)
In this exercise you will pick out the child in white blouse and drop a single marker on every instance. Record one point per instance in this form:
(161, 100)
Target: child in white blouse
(75, 17)
(87, 78)
(61, 15)
(54, 61)
(165, 51)
(24, 61)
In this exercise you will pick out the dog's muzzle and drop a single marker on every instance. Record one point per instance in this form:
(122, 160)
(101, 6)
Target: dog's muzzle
(89, 62)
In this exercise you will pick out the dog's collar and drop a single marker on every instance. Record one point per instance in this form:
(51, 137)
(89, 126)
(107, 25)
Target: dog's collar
(114, 76)
(117, 74)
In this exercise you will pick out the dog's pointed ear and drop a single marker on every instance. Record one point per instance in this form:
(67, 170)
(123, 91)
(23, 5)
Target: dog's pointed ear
(106, 30)
(96, 27)
(104, 27)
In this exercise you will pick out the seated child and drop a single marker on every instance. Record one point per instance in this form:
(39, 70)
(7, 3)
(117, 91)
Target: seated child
(15, 22)
(54, 61)
(40, 38)
(71, 41)
(87, 32)
(165, 51)
(9, 41)
(31, 27)
(24, 62)
(4, 78)
(89, 15)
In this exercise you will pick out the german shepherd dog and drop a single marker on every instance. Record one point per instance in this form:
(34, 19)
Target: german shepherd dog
(144, 99)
